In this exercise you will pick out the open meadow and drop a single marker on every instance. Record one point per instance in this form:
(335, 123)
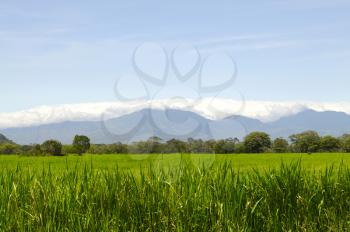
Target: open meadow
(133, 162)
(174, 192)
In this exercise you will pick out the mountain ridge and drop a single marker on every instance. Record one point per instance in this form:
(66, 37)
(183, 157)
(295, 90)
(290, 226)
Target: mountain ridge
(180, 124)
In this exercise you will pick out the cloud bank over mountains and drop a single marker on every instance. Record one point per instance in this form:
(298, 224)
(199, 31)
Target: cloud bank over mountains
(211, 108)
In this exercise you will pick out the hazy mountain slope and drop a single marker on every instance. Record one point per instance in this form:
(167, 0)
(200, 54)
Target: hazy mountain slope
(136, 126)
(234, 126)
(327, 122)
(3, 139)
(180, 124)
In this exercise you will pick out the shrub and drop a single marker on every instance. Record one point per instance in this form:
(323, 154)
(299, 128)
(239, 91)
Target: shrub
(9, 149)
(51, 147)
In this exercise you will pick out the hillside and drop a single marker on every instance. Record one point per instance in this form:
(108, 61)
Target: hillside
(3, 139)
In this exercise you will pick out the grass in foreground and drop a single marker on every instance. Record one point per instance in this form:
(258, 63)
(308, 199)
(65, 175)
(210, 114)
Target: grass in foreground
(181, 198)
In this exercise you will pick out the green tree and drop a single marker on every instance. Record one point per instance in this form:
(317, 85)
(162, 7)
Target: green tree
(176, 146)
(30, 150)
(280, 145)
(117, 148)
(68, 149)
(240, 148)
(308, 141)
(51, 147)
(257, 142)
(36, 150)
(345, 142)
(154, 145)
(225, 146)
(329, 144)
(219, 146)
(81, 144)
(195, 145)
(9, 149)
(209, 146)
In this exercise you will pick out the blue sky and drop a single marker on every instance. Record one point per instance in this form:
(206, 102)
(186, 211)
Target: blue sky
(65, 52)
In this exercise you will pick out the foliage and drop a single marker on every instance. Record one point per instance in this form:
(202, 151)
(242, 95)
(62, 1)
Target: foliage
(225, 146)
(257, 142)
(151, 146)
(115, 148)
(200, 146)
(36, 150)
(308, 141)
(345, 142)
(240, 148)
(81, 144)
(51, 147)
(329, 144)
(176, 146)
(68, 149)
(280, 145)
(9, 149)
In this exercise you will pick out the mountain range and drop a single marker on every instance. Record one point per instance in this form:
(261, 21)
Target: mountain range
(172, 123)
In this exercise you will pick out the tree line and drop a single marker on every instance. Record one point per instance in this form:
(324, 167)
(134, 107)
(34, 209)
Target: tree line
(255, 142)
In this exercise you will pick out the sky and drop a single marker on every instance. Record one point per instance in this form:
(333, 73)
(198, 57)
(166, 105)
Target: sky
(55, 53)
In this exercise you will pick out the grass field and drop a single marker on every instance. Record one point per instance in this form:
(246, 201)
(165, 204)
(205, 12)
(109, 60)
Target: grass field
(241, 162)
(247, 192)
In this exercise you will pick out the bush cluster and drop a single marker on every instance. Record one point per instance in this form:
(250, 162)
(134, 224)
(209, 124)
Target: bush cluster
(255, 142)
(51, 147)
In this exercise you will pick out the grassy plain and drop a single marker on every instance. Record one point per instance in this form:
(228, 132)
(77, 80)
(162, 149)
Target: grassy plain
(247, 192)
(241, 162)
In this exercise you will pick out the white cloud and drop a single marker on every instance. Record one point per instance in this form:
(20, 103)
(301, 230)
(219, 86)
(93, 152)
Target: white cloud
(210, 108)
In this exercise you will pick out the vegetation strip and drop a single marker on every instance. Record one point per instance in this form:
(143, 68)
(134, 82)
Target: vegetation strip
(185, 198)
(255, 142)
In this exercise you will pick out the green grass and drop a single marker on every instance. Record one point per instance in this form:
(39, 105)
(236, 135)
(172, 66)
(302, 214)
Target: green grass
(243, 162)
(265, 192)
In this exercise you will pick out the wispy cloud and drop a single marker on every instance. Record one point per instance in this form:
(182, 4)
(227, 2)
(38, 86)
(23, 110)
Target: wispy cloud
(248, 42)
